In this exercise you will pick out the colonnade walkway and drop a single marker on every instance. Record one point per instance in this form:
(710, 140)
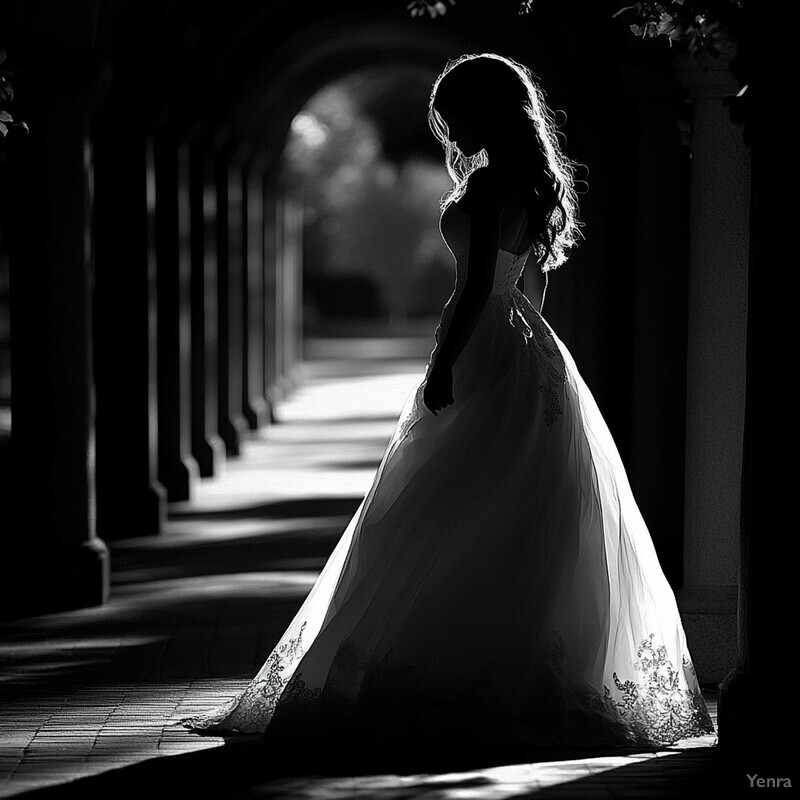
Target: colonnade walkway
(89, 698)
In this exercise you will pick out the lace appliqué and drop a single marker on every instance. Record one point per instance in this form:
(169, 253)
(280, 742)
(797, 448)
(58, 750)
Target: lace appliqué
(660, 707)
(298, 691)
(252, 711)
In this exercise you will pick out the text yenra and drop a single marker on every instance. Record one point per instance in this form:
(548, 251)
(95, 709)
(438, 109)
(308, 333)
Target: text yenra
(769, 783)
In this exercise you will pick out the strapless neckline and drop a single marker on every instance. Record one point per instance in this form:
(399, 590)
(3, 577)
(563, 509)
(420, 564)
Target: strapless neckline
(515, 256)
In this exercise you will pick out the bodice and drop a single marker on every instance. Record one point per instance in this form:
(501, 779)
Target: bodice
(454, 226)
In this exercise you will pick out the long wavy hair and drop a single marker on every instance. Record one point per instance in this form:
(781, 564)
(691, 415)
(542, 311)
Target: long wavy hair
(485, 87)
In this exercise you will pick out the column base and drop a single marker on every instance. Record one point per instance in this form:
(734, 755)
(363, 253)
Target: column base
(180, 479)
(129, 514)
(734, 719)
(155, 509)
(276, 391)
(755, 725)
(709, 616)
(209, 453)
(55, 577)
(257, 413)
(272, 400)
(233, 431)
(290, 380)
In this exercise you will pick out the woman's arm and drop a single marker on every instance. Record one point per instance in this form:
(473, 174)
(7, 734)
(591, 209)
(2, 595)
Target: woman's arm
(484, 240)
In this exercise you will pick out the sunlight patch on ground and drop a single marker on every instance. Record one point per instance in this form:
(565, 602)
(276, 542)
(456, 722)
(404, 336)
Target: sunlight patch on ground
(327, 443)
(240, 585)
(188, 533)
(365, 398)
(494, 783)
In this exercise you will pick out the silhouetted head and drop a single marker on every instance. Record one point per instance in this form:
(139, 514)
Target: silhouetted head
(487, 109)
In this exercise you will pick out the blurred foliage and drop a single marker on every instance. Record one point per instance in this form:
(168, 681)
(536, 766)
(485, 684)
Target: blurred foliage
(366, 214)
(433, 8)
(7, 122)
(700, 25)
(436, 8)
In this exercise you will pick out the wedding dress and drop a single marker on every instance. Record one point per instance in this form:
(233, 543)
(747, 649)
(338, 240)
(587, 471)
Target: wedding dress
(497, 585)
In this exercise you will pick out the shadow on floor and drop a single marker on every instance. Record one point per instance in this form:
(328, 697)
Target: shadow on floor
(287, 535)
(208, 603)
(304, 507)
(238, 770)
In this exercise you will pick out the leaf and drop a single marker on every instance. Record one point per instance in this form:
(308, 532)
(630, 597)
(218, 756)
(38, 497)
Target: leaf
(6, 117)
(621, 12)
(3, 129)
(666, 25)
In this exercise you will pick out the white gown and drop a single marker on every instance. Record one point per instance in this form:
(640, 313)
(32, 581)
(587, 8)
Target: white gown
(498, 586)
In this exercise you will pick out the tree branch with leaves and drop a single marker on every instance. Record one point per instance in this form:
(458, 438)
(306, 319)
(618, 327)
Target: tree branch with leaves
(436, 8)
(700, 25)
(7, 122)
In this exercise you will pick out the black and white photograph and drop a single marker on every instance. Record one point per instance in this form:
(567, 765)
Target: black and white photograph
(383, 400)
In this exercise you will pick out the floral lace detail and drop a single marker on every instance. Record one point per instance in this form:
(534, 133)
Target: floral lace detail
(252, 711)
(664, 705)
(299, 692)
(661, 707)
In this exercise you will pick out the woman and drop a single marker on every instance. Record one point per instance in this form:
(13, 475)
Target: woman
(497, 589)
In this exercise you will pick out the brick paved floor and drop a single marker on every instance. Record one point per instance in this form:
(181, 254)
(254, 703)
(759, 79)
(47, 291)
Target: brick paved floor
(90, 697)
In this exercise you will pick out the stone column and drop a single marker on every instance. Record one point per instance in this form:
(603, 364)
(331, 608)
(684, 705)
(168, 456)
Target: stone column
(293, 283)
(131, 501)
(281, 347)
(230, 299)
(717, 315)
(288, 288)
(208, 448)
(177, 468)
(658, 337)
(256, 409)
(53, 559)
(754, 730)
(272, 387)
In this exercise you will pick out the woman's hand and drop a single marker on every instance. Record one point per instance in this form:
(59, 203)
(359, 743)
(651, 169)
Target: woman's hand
(438, 392)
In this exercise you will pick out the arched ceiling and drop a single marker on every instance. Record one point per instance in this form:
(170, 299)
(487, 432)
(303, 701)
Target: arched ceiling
(313, 57)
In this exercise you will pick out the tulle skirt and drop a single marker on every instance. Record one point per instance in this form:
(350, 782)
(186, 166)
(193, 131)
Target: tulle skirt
(497, 586)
